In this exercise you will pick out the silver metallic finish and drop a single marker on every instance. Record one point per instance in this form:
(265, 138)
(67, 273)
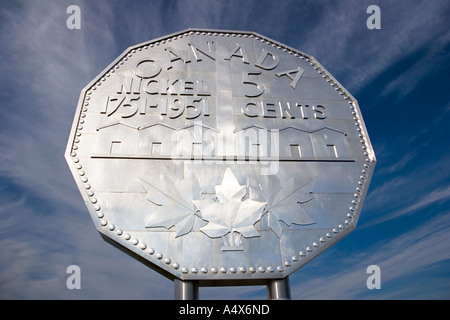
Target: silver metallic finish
(279, 289)
(185, 290)
(220, 156)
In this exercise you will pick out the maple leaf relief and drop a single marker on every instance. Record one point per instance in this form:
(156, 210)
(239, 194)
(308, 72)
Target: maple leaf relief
(174, 207)
(228, 215)
(285, 202)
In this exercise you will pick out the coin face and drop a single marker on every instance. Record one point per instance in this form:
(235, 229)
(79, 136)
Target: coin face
(215, 155)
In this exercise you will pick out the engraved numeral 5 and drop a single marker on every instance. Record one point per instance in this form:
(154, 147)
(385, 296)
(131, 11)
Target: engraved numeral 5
(256, 89)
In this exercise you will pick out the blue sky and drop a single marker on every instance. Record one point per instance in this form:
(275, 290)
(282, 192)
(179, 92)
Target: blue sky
(398, 74)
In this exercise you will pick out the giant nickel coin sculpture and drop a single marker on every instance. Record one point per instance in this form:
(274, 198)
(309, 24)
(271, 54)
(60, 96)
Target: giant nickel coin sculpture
(220, 155)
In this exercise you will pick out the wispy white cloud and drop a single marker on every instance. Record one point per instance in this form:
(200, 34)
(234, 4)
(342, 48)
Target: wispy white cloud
(399, 258)
(437, 195)
(403, 191)
(40, 88)
(427, 132)
(43, 88)
(432, 197)
(37, 248)
(356, 55)
(397, 165)
(434, 55)
(44, 66)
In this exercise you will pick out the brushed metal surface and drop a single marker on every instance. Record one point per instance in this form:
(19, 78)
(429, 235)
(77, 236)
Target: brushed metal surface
(220, 156)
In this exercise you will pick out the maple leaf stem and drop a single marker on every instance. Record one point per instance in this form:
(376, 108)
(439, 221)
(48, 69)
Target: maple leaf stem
(232, 239)
(238, 239)
(225, 241)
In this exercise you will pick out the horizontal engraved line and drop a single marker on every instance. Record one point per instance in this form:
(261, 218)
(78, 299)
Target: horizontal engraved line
(221, 158)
